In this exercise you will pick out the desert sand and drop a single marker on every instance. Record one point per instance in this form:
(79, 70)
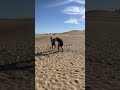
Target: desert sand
(102, 61)
(17, 54)
(60, 70)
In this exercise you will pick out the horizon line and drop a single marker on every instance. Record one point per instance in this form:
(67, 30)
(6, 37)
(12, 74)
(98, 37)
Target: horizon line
(59, 32)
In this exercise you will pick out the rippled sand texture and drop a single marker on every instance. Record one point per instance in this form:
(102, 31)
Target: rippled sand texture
(63, 70)
(102, 50)
(17, 55)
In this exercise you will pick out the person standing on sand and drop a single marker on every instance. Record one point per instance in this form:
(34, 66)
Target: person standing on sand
(60, 43)
(52, 42)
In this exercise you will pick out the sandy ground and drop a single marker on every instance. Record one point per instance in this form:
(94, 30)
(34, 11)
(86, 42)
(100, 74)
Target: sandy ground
(63, 70)
(17, 64)
(16, 67)
(102, 61)
(102, 56)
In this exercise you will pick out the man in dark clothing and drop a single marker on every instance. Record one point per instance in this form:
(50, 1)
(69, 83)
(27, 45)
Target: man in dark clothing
(60, 43)
(52, 42)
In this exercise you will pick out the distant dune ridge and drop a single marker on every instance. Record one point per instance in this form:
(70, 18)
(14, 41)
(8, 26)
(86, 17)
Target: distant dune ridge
(14, 28)
(74, 32)
(71, 32)
(103, 24)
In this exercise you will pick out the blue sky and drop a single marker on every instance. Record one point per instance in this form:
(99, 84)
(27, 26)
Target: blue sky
(54, 16)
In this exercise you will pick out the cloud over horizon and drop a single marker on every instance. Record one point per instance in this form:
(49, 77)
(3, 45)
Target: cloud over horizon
(74, 10)
(72, 21)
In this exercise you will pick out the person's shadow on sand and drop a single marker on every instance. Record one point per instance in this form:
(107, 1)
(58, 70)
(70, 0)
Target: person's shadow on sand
(23, 65)
(46, 53)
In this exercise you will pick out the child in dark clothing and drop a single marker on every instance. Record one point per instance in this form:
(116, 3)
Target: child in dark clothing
(52, 42)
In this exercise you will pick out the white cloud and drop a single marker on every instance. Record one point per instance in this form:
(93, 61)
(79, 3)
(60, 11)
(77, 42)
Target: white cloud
(72, 21)
(63, 2)
(78, 1)
(74, 10)
(58, 3)
(83, 17)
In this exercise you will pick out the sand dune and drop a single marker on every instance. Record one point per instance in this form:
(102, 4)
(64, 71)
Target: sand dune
(16, 28)
(74, 32)
(102, 53)
(16, 54)
(63, 70)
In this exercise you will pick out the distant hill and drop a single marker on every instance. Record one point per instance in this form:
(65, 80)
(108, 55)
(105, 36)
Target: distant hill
(16, 28)
(102, 25)
(73, 32)
(102, 15)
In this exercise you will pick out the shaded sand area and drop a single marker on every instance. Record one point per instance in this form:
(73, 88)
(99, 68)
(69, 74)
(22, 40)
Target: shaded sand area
(102, 50)
(17, 54)
(63, 70)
